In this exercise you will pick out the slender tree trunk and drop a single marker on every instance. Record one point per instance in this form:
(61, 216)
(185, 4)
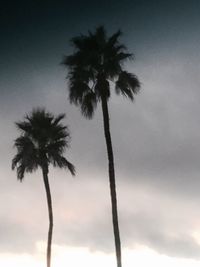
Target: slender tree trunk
(50, 211)
(112, 180)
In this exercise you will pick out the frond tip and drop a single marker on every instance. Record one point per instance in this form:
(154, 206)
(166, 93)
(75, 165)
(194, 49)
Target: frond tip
(69, 166)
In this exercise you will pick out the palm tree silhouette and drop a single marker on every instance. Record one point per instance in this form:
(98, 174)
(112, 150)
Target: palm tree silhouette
(42, 142)
(96, 67)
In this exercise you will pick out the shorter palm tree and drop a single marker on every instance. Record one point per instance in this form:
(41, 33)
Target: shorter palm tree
(42, 142)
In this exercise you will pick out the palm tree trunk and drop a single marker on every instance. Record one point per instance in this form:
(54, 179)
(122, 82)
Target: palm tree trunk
(112, 180)
(50, 211)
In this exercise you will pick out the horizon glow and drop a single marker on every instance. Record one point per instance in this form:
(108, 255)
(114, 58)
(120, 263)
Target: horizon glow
(141, 256)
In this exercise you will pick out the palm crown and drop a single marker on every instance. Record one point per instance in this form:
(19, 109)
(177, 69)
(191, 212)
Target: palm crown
(43, 141)
(96, 65)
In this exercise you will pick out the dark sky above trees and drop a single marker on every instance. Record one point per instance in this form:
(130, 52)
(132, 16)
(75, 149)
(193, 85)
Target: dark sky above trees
(156, 139)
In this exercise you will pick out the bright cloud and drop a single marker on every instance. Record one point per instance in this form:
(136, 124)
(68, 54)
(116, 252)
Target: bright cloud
(81, 256)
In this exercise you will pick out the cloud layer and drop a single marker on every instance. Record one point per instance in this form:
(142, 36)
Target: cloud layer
(155, 139)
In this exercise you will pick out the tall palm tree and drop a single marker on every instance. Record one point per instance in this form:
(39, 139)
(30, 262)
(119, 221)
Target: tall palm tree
(96, 67)
(42, 142)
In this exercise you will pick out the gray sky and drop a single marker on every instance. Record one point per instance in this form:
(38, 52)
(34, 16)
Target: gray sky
(155, 139)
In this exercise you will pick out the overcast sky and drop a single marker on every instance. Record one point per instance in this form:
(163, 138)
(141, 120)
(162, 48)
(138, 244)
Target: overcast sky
(156, 139)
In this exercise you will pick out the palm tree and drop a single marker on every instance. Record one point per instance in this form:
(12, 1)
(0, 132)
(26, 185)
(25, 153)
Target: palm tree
(42, 142)
(96, 67)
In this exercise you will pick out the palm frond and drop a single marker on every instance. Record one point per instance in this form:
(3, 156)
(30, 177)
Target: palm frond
(69, 166)
(123, 56)
(127, 84)
(20, 172)
(17, 158)
(113, 40)
(79, 42)
(58, 119)
(26, 154)
(88, 104)
(24, 126)
(100, 36)
(59, 161)
(58, 146)
(77, 92)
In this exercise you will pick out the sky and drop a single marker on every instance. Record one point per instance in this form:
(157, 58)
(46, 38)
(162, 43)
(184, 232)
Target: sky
(156, 138)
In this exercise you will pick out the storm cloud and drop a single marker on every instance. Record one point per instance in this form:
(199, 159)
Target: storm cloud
(155, 138)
